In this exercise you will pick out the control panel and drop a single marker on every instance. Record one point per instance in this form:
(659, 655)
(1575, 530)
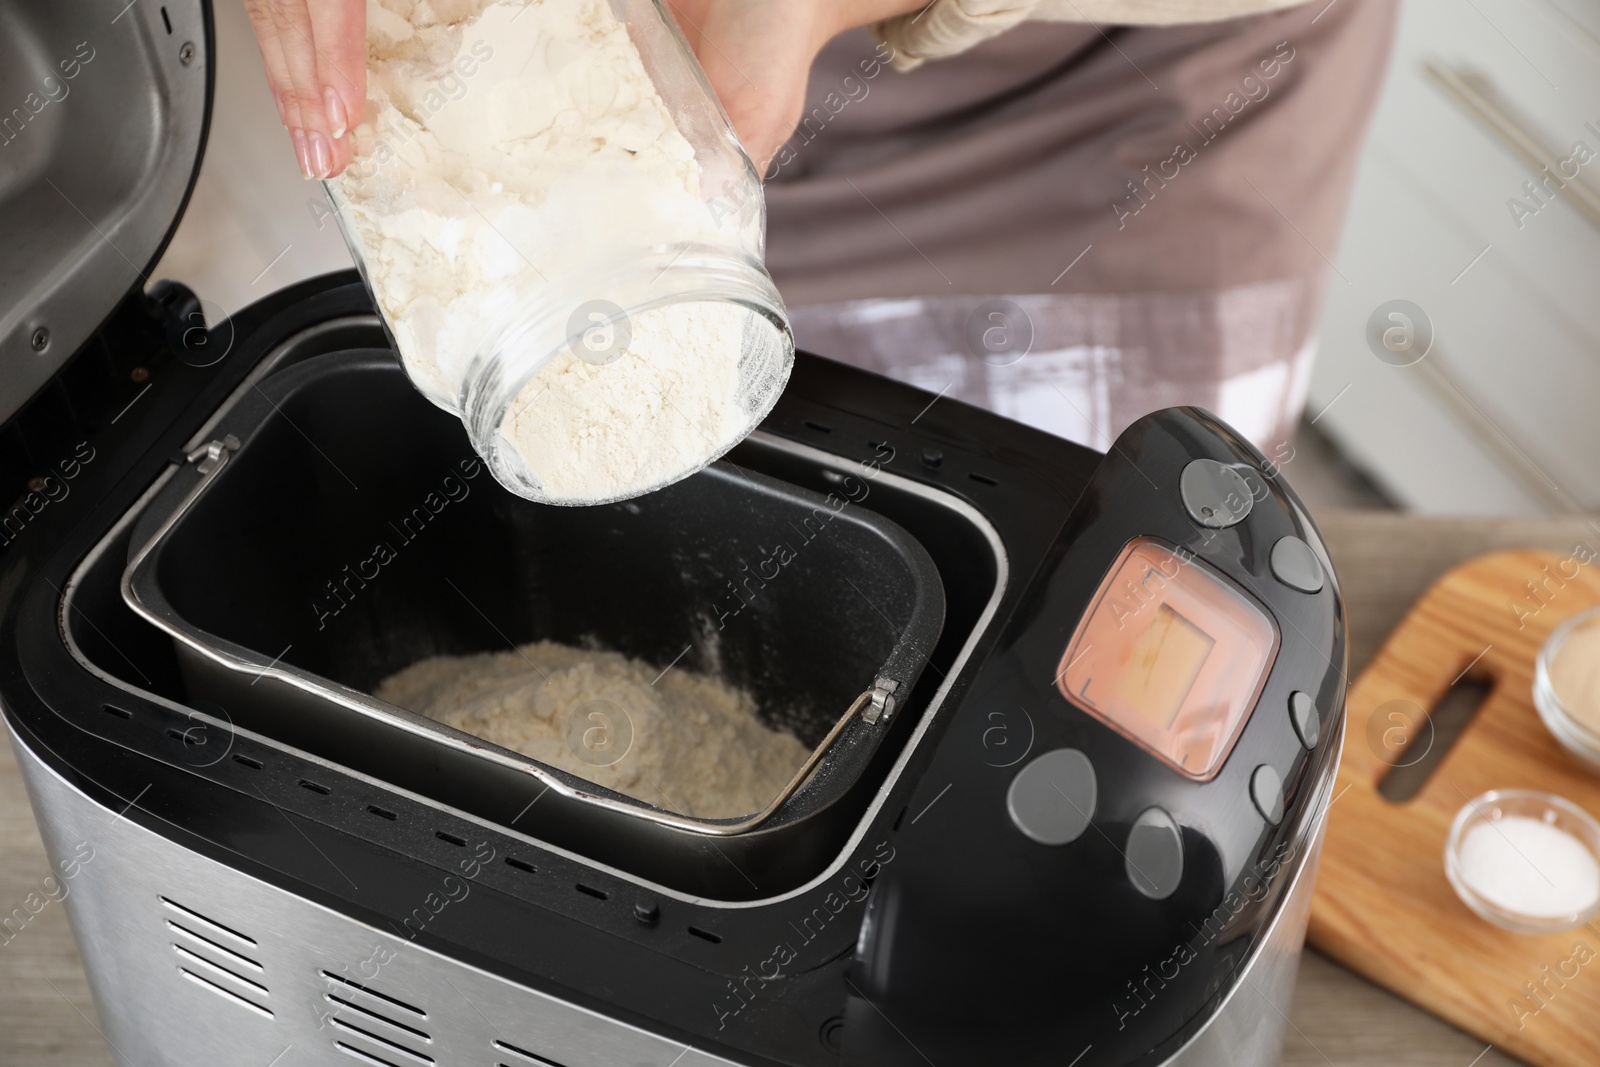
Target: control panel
(1178, 662)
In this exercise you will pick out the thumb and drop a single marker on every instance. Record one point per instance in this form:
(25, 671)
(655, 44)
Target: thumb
(757, 57)
(763, 113)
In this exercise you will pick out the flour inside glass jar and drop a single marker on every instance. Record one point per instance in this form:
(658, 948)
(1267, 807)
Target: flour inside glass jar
(506, 149)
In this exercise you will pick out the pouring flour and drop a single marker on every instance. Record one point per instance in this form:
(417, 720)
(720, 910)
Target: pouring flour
(563, 255)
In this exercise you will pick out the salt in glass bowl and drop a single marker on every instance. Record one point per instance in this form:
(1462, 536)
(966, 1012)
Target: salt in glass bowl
(1531, 803)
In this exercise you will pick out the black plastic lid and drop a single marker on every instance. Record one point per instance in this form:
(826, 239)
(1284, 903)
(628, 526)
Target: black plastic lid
(104, 126)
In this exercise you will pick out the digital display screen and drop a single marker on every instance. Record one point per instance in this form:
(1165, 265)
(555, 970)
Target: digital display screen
(1164, 665)
(1171, 654)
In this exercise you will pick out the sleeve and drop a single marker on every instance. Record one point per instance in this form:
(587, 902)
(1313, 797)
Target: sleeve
(947, 27)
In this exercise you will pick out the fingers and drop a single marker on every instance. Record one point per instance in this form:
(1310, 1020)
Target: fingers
(688, 14)
(339, 27)
(293, 23)
(266, 30)
(316, 67)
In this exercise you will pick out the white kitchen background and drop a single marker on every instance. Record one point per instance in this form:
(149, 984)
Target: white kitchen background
(1501, 415)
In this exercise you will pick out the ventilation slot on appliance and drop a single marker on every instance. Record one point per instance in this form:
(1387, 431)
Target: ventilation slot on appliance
(365, 1057)
(192, 738)
(369, 991)
(524, 1056)
(374, 1027)
(218, 959)
(378, 1048)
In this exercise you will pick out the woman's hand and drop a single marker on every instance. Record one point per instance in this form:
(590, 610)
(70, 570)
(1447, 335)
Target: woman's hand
(316, 57)
(758, 54)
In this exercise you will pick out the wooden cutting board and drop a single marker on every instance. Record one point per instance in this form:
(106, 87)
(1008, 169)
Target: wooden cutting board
(1383, 906)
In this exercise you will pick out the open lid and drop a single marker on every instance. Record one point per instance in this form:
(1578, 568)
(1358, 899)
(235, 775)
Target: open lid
(103, 115)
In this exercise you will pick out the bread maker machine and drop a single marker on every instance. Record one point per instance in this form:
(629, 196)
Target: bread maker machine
(1074, 717)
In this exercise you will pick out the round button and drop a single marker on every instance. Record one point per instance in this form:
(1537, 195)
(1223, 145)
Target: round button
(1215, 494)
(1154, 854)
(1296, 566)
(1266, 789)
(1052, 799)
(1303, 713)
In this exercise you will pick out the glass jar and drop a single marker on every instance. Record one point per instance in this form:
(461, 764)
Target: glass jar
(565, 241)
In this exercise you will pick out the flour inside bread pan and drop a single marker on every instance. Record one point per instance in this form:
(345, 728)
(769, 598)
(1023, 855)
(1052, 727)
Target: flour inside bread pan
(351, 580)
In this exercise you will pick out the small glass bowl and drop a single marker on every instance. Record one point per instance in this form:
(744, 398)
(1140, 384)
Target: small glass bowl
(1531, 803)
(1582, 741)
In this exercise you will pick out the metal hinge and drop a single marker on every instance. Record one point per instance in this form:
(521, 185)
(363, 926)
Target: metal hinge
(213, 454)
(882, 703)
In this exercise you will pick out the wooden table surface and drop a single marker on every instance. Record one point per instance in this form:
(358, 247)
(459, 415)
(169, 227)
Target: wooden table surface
(1384, 560)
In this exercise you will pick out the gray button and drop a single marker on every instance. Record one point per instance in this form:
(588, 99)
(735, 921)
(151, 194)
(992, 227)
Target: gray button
(1303, 713)
(1266, 789)
(1215, 494)
(1052, 799)
(1296, 566)
(1155, 854)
